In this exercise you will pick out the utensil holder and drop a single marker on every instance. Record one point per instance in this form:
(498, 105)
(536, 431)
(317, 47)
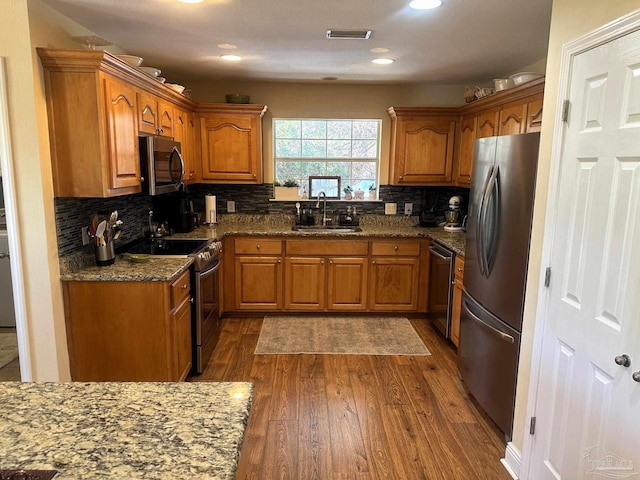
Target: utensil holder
(105, 254)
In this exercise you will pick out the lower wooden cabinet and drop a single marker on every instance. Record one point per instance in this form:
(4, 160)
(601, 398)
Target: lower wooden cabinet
(394, 284)
(347, 284)
(456, 304)
(304, 283)
(258, 283)
(129, 331)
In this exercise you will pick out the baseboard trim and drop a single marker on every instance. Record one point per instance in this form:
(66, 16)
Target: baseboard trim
(511, 460)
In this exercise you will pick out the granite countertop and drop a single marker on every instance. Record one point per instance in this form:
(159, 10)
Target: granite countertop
(124, 430)
(167, 269)
(157, 269)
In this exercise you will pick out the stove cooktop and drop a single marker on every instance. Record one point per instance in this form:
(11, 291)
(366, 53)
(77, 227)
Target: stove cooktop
(165, 246)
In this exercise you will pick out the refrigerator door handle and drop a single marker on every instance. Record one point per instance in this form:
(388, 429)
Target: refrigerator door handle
(493, 192)
(480, 221)
(494, 331)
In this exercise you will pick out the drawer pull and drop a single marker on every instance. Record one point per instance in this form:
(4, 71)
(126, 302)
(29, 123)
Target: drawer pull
(395, 247)
(258, 247)
(185, 286)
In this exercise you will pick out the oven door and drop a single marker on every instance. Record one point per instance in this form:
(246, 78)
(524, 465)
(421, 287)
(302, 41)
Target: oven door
(207, 315)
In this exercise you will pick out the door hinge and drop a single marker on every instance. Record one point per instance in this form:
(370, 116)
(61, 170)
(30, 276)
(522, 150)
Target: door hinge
(532, 426)
(565, 111)
(547, 276)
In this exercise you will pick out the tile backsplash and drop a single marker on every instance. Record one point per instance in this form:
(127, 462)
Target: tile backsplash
(74, 213)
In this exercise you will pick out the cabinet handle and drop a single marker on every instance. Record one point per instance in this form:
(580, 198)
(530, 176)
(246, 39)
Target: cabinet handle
(321, 262)
(395, 248)
(254, 176)
(279, 261)
(258, 247)
(460, 269)
(184, 287)
(192, 300)
(400, 178)
(141, 179)
(373, 262)
(330, 262)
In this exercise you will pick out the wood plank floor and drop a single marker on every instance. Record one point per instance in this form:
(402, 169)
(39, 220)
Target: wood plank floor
(357, 417)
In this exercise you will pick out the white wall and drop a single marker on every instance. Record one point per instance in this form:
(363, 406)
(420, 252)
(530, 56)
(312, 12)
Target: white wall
(570, 19)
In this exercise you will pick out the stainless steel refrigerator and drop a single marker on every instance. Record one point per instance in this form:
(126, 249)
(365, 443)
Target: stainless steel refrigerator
(496, 257)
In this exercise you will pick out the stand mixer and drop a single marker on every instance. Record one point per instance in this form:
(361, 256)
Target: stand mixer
(453, 216)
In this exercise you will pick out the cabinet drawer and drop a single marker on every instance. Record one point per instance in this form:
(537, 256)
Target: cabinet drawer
(328, 246)
(180, 288)
(459, 267)
(403, 248)
(256, 246)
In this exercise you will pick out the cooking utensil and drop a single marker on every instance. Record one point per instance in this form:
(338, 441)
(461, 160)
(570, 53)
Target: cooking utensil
(298, 208)
(100, 233)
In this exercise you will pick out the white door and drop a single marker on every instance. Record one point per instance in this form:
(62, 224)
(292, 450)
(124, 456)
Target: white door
(588, 406)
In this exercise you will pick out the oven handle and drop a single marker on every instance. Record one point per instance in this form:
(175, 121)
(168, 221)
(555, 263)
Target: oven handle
(440, 253)
(211, 269)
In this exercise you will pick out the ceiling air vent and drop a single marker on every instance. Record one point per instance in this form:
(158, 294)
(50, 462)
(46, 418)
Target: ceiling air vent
(349, 34)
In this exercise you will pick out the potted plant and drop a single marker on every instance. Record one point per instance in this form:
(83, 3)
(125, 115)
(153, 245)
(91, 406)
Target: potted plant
(347, 192)
(288, 190)
(372, 191)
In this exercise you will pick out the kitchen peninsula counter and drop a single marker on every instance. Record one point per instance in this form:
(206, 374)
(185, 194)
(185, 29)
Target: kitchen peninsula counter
(124, 430)
(161, 269)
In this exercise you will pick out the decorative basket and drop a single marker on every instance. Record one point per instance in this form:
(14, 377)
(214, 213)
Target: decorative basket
(483, 92)
(469, 94)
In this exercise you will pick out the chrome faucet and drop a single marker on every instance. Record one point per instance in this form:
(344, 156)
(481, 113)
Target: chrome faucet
(324, 206)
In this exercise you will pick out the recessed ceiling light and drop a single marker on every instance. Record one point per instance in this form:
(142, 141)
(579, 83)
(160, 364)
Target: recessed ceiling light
(379, 50)
(227, 46)
(425, 4)
(191, 1)
(231, 58)
(383, 61)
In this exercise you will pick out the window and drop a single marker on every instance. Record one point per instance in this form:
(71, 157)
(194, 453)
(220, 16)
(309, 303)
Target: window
(346, 148)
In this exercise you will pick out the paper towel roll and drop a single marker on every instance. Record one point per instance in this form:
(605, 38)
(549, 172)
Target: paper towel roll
(210, 210)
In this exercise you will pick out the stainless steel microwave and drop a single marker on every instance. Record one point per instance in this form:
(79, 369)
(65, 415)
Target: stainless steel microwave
(161, 165)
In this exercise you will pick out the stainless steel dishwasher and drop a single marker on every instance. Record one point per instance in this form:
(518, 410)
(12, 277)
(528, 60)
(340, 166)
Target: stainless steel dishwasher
(441, 287)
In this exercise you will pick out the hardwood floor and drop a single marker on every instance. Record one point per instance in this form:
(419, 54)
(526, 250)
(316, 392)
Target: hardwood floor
(357, 417)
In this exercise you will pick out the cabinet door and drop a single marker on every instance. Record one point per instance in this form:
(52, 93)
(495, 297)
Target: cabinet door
(124, 159)
(455, 312)
(258, 283)
(183, 133)
(487, 124)
(534, 116)
(304, 283)
(347, 283)
(181, 325)
(468, 127)
(165, 119)
(424, 152)
(231, 149)
(512, 120)
(394, 284)
(148, 115)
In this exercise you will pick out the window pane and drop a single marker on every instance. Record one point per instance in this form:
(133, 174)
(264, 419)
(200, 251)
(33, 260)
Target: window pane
(287, 148)
(338, 148)
(314, 148)
(342, 169)
(287, 170)
(365, 149)
(339, 129)
(362, 170)
(365, 130)
(311, 168)
(287, 128)
(314, 129)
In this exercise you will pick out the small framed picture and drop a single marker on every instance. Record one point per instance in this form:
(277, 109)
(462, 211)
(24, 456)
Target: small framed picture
(330, 185)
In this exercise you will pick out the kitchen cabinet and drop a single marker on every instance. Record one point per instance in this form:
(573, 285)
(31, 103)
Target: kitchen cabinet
(509, 112)
(155, 116)
(96, 109)
(129, 331)
(456, 301)
(257, 274)
(422, 145)
(231, 143)
(184, 131)
(321, 275)
(395, 270)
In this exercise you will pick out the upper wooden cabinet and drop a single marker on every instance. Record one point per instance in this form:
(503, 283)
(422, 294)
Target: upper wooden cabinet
(155, 116)
(231, 137)
(184, 131)
(422, 143)
(97, 105)
(518, 110)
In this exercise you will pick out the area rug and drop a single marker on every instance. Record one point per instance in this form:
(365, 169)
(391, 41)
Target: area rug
(339, 335)
(8, 348)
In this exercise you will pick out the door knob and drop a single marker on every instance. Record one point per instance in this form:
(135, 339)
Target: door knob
(623, 360)
(636, 376)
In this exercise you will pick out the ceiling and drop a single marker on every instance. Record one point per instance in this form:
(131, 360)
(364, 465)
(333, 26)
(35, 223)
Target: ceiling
(285, 40)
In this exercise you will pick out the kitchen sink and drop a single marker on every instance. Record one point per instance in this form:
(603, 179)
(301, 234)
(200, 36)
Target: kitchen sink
(326, 229)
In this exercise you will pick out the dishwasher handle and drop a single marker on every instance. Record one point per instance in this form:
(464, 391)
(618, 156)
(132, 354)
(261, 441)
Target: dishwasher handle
(441, 253)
